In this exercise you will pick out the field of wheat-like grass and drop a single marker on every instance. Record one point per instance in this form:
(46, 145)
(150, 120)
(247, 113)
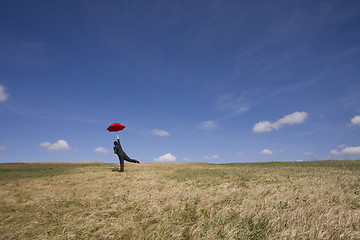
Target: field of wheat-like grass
(293, 200)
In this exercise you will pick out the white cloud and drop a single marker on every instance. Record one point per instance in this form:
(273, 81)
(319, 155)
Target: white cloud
(100, 150)
(3, 95)
(290, 119)
(264, 126)
(211, 157)
(208, 125)
(343, 150)
(161, 133)
(2, 147)
(351, 151)
(307, 153)
(165, 158)
(266, 152)
(355, 121)
(60, 145)
(187, 159)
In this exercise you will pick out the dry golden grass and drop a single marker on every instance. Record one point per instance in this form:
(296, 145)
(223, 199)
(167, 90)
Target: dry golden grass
(308, 200)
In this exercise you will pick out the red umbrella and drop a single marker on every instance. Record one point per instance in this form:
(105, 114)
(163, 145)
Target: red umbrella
(115, 127)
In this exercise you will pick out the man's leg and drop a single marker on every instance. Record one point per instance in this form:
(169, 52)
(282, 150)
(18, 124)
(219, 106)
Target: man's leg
(131, 160)
(121, 159)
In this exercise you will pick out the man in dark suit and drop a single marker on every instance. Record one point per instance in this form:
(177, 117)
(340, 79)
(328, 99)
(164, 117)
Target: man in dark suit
(121, 154)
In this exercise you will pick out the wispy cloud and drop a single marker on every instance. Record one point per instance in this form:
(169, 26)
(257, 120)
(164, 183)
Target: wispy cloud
(38, 116)
(59, 145)
(240, 154)
(304, 133)
(161, 133)
(3, 147)
(23, 53)
(294, 87)
(211, 157)
(208, 125)
(232, 104)
(307, 153)
(3, 94)
(290, 119)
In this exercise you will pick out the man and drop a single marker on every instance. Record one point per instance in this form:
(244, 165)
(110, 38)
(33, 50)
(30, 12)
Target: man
(121, 154)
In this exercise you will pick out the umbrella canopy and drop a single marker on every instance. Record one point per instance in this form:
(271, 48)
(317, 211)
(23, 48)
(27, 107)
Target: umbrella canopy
(115, 127)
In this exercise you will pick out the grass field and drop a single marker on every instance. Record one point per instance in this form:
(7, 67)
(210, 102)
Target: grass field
(294, 200)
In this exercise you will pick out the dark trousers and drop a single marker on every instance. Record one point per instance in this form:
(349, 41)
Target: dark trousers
(122, 158)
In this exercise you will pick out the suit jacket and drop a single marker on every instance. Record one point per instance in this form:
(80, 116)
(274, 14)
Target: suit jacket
(118, 149)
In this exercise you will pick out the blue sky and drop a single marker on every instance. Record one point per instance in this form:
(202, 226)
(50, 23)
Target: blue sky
(214, 81)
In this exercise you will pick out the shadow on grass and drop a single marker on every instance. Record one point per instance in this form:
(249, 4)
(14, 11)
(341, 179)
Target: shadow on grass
(115, 170)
